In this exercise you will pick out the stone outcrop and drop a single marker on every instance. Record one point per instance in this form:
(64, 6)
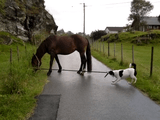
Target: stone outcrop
(24, 18)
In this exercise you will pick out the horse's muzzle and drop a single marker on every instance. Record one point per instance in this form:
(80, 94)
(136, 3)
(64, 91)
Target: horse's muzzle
(35, 69)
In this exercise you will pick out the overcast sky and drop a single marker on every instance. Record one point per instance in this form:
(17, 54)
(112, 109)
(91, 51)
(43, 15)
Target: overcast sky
(99, 14)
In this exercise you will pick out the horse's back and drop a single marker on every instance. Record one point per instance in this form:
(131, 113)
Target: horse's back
(80, 42)
(66, 44)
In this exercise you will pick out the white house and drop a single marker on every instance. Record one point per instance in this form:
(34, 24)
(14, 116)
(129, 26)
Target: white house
(114, 29)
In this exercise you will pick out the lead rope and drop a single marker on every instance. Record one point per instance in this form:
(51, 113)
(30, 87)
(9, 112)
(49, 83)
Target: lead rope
(75, 70)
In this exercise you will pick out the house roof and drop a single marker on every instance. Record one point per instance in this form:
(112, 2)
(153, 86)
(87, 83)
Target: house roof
(151, 20)
(115, 28)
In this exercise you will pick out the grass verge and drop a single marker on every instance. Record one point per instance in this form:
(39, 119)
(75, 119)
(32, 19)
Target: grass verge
(19, 84)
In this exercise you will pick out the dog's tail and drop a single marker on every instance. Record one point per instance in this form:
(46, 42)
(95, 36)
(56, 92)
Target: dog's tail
(134, 66)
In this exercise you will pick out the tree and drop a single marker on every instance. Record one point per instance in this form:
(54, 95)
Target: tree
(97, 34)
(139, 9)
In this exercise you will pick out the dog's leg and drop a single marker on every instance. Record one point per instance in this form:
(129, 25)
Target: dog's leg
(114, 80)
(135, 80)
(131, 82)
(117, 80)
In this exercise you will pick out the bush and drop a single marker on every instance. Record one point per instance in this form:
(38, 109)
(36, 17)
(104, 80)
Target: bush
(97, 34)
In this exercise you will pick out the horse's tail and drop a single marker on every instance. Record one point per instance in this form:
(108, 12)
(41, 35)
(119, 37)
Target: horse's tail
(89, 58)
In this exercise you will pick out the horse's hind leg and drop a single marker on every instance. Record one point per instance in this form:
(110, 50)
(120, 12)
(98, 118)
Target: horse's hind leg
(59, 65)
(83, 64)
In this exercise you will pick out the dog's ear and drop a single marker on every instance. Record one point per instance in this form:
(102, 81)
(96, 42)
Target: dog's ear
(111, 73)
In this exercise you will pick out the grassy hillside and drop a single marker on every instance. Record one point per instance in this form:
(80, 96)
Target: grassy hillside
(142, 57)
(19, 84)
(132, 37)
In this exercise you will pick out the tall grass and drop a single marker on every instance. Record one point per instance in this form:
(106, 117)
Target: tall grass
(142, 57)
(19, 84)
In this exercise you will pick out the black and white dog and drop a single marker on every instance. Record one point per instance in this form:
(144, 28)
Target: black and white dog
(123, 74)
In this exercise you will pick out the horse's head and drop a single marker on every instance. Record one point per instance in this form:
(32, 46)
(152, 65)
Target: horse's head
(36, 62)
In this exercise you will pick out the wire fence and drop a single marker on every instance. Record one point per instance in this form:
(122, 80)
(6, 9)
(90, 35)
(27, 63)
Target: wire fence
(143, 55)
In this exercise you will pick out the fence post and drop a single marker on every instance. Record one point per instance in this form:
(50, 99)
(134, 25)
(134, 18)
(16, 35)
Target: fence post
(151, 69)
(26, 50)
(132, 53)
(11, 56)
(97, 45)
(103, 47)
(100, 45)
(18, 53)
(114, 50)
(121, 54)
(108, 49)
(10, 61)
(34, 40)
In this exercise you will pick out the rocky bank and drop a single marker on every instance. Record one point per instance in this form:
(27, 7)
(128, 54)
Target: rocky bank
(25, 18)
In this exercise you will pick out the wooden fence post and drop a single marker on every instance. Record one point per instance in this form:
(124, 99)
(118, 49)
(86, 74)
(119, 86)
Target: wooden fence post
(100, 45)
(151, 68)
(10, 61)
(132, 54)
(11, 56)
(114, 50)
(94, 44)
(103, 47)
(18, 53)
(34, 40)
(97, 45)
(26, 50)
(121, 54)
(108, 49)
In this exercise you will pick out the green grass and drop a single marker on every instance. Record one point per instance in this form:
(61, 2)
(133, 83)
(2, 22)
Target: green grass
(142, 57)
(6, 37)
(2, 4)
(19, 84)
(133, 36)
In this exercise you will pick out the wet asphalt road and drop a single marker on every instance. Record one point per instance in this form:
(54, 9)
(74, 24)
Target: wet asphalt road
(92, 97)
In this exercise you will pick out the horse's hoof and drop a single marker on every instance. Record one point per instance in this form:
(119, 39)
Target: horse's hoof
(79, 72)
(59, 71)
(49, 73)
(82, 73)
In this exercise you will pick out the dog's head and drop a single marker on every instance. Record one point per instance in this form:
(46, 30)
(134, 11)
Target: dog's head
(110, 72)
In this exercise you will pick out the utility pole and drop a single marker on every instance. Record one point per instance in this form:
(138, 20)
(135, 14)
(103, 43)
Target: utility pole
(84, 19)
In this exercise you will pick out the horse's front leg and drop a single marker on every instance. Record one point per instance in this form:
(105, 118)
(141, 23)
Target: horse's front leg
(59, 65)
(51, 63)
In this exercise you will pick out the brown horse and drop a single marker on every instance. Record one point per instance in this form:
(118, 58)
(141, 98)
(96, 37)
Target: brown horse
(64, 45)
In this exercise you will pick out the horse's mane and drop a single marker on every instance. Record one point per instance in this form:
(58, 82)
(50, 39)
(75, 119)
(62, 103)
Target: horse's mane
(42, 49)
